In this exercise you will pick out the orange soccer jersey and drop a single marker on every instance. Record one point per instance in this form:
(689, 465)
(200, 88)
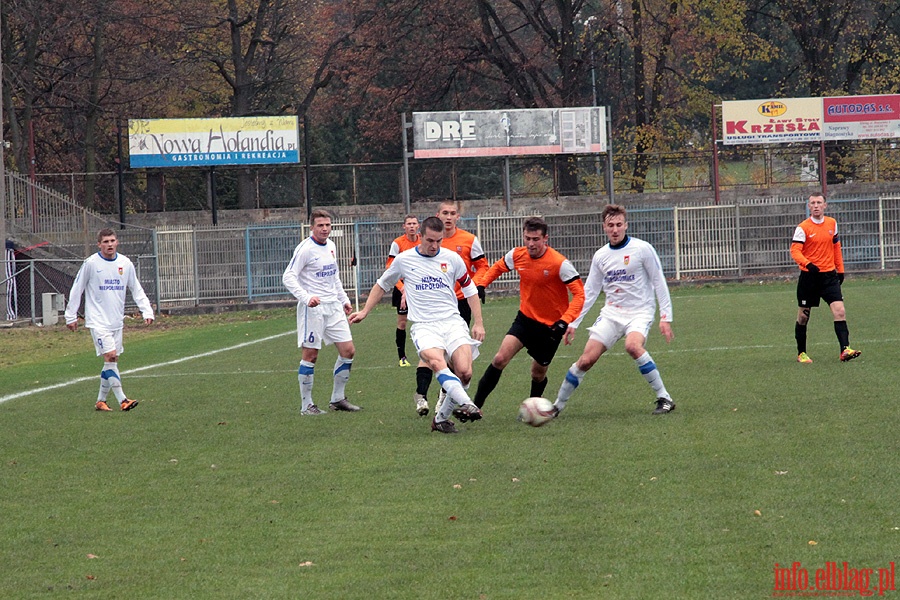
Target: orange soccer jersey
(462, 242)
(818, 243)
(543, 295)
(400, 244)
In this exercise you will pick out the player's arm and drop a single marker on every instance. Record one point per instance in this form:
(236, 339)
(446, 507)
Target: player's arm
(838, 255)
(797, 243)
(576, 304)
(653, 268)
(140, 296)
(291, 278)
(471, 294)
(592, 288)
(395, 250)
(485, 277)
(479, 264)
(75, 293)
(384, 283)
(572, 279)
(375, 295)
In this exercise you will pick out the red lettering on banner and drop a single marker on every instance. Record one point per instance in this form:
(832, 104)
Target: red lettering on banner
(733, 127)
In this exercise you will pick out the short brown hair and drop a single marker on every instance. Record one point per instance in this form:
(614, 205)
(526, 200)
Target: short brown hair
(613, 210)
(454, 203)
(320, 213)
(105, 232)
(535, 224)
(432, 224)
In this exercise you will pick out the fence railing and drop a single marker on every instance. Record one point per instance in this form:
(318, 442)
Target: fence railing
(284, 186)
(194, 266)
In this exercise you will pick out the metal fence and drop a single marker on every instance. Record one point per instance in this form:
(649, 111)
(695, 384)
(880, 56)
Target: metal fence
(235, 265)
(284, 186)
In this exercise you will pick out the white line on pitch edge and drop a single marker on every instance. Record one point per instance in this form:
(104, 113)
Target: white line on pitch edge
(144, 368)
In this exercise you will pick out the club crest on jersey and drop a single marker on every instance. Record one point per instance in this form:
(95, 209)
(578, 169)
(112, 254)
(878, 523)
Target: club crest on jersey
(443, 267)
(627, 259)
(121, 271)
(546, 273)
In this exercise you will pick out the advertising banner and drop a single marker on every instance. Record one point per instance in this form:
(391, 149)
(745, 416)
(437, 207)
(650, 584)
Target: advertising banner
(772, 121)
(453, 134)
(862, 117)
(206, 142)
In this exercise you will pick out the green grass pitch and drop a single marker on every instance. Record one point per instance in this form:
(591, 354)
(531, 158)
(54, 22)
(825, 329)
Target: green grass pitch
(216, 487)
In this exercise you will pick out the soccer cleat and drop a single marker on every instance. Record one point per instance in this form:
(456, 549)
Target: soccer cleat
(343, 405)
(440, 401)
(444, 426)
(421, 404)
(849, 354)
(804, 358)
(312, 409)
(404, 362)
(129, 404)
(102, 406)
(555, 411)
(467, 412)
(663, 406)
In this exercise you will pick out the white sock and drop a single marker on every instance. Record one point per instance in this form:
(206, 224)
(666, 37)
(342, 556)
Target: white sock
(105, 375)
(456, 394)
(574, 377)
(648, 369)
(306, 375)
(341, 377)
(111, 370)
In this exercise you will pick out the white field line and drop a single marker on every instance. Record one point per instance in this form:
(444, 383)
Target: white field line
(563, 354)
(25, 393)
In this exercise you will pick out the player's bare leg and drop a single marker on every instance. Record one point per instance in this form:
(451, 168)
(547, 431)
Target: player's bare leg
(593, 350)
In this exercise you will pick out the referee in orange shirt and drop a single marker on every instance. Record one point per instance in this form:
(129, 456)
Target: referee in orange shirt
(816, 248)
(546, 279)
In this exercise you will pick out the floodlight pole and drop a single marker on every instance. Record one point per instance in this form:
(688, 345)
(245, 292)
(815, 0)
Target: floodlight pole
(3, 232)
(120, 176)
(715, 156)
(405, 191)
(611, 177)
(307, 165)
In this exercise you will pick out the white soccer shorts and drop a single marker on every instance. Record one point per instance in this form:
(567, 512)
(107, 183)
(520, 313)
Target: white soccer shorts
(323, 323)
(612, 325)
(106, 341)
(447, 334)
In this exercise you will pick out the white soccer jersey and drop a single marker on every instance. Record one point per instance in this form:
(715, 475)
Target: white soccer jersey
(429, 282)
(632, 278)
(313, 271)
(103, 283)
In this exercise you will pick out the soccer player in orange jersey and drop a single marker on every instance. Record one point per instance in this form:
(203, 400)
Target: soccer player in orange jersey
(465, 244)
(546, 281)
(816, 248)
(409, 239)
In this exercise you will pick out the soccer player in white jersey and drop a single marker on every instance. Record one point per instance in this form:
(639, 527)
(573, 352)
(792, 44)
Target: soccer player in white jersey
(627, 270)
(440, 335)
(313, 278)
(103, 279)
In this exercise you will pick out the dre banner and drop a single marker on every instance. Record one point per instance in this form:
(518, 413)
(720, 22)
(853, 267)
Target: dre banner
(454, 134)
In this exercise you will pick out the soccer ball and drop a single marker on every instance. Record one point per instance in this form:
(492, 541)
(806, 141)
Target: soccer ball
(536, 411)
